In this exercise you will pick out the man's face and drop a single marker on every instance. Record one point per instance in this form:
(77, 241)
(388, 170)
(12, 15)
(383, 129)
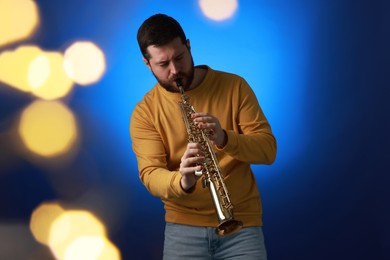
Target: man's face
(170, 62)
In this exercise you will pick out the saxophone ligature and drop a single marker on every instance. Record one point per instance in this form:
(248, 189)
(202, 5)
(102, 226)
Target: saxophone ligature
(211, 172)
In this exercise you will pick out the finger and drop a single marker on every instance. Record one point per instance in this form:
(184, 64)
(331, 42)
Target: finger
(193, 149)
(195, 152)
(199, 114)
(190, 162)
(211, 126)
(185, 171)
(204, 119)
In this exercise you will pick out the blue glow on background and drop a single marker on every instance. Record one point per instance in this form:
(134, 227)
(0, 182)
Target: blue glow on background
(319, 70)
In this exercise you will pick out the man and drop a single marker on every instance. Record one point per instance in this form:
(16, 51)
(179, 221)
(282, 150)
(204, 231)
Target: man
(227, 108)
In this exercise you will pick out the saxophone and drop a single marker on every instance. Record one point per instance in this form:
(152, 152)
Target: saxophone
(211, 172)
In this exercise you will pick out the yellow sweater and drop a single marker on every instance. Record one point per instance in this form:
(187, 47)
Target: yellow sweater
(159, 139)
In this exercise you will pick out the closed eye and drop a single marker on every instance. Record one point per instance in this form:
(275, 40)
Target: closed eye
(163, 64)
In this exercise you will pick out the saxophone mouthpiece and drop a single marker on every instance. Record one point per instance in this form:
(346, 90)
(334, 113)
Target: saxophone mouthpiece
(179, 82)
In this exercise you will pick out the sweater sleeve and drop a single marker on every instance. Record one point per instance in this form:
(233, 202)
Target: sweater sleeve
(151, 156)
(253, 141)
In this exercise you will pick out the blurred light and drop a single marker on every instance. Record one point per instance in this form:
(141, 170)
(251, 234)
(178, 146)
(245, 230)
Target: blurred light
(15, 65)
(38, 72)
(92, 247)
(47, 77)
(41, 220)
(110, 251)
(30, 69)
(84, 62)
(48, 128)
(86, 247)
(218, 9)
(71, 226)
(18, 19)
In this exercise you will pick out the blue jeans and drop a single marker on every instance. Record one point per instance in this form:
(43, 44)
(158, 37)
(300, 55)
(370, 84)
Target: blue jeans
(190, 242)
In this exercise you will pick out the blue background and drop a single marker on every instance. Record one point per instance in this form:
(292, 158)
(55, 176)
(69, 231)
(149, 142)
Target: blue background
(320, 70)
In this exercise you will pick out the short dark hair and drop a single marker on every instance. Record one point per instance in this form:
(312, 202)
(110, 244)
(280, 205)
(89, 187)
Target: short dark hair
(158, 30)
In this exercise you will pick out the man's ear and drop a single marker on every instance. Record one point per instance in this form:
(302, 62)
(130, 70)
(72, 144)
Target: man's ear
(188, 44)
(146, 62)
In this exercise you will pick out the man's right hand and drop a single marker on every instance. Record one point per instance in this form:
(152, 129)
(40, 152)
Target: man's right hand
(190, 162)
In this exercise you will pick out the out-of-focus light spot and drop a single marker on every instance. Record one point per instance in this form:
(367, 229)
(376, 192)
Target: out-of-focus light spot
(218, 9)
(18, 19)
(38, 72)
(41, 220)
(71, 226)
(30, 69)
(47, 76)
(48, 128)
(15, 65)
(84, 62)
(87, 247)
(92, 247)
(110, 251)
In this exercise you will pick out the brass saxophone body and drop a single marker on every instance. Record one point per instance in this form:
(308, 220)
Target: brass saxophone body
(211, 171)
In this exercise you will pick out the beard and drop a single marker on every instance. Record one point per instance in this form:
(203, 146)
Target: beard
(186, 78)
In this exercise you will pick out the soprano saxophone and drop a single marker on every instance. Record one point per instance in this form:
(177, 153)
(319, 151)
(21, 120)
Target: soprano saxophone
(211, 171)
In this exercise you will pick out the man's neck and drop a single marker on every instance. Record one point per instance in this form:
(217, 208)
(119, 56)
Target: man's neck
(199, 75)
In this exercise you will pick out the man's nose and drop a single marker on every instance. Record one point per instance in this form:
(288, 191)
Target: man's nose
(174, 67)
